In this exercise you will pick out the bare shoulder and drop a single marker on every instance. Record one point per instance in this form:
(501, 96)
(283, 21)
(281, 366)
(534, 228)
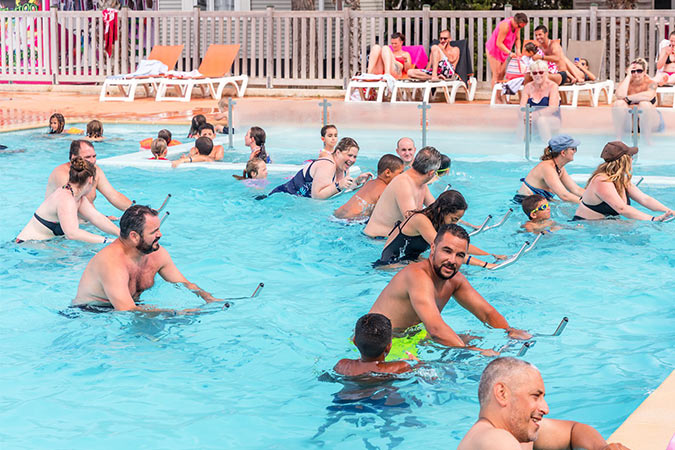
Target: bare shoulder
(59, 172)
(483, 436)
(396, 367)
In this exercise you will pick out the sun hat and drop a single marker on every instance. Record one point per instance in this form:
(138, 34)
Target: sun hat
(615, 150)
(562, 142)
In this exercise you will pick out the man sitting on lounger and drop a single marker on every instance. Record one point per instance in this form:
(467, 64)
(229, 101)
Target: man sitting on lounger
(442, 62)
(553, 53)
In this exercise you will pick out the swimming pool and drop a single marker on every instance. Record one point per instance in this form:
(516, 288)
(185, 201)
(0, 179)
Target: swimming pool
(252, 376)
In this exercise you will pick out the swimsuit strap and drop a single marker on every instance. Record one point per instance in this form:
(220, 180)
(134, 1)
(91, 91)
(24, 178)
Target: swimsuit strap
(557, 169)
(70, 188)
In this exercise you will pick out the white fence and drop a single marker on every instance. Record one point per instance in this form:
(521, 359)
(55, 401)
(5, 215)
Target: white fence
(293, 48)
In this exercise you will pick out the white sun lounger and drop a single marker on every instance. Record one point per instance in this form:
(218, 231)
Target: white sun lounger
(407, 89)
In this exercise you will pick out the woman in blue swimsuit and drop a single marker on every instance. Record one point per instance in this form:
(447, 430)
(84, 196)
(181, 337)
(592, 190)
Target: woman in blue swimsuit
(610, 189)
(58, 214)
(542, 94)
(549, 178)
(326, 177)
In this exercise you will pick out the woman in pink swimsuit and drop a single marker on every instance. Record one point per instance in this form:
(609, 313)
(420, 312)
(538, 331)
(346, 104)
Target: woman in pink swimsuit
(390, 60)
(501, 42)
(665, 66)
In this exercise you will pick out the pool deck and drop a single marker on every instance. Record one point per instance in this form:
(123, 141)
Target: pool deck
(649, 427)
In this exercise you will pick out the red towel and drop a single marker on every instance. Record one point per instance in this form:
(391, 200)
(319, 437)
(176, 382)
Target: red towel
(110, 30)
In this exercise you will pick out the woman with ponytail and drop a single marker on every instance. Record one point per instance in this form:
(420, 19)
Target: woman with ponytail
(256, 169)
(549, 178)
(58, 214)
(255, 140)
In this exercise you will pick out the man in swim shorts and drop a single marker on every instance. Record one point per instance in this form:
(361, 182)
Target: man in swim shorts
(512, 409)
(407, 192)
(553, 53)
(361, 205)
(85, 149)
(405, 149)
(444, 58)
(418, 293)
(117, 275)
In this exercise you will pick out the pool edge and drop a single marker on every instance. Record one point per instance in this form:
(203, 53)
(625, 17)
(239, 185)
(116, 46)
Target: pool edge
(650, 426)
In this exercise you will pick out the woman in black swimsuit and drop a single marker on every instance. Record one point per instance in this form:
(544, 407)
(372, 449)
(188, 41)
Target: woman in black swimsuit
(58, 214)
(408, 240)
(610, 190)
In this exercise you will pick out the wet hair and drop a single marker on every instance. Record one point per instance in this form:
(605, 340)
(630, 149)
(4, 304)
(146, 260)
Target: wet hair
(204, 145)
(619, 172)
(445, 162)
(60, 119)
(448, 202)
(158, 147)
(531, 47)
(426, 160)
(252, 168)
(500, 369)
(80, 171)
(76, 146)
(197, 121)
(398, 35)
(95, 129)
(345, 144)
(530, 203)
(549, 153)
(206, 126)
(325, 128)
(258, 135)
(133, 219)
(166, 135)
(640, 62)
(538, 65)
(391, 162)
(454, 230)
(521, 18)
(372, 334)
(541, 28)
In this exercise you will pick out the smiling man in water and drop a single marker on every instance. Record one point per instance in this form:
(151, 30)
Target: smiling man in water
(419, 292)
(117, 275)
(512, 409)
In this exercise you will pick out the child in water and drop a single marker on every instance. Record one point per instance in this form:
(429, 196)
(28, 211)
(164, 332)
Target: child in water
(537, 209)
(159, 149)
(57, 125)
(95, 130)
(329, 136)
(256, 169)
(372, 336)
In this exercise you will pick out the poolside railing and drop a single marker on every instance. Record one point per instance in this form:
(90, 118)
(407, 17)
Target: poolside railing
(294, 48)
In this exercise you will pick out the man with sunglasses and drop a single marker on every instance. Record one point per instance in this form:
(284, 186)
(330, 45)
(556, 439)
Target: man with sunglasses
(637, 89)
(444, 58)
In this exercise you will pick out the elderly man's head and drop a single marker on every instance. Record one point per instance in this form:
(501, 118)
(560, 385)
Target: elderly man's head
(405, 148)
(513, 390)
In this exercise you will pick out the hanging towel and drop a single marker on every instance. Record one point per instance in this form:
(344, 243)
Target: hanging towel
(110, 31)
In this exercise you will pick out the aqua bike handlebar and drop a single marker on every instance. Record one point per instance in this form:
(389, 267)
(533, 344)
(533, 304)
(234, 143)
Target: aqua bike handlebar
(166, 214)
(166, 200)
(501, 222)
(529, 344)
(482, 227)
(526, 247)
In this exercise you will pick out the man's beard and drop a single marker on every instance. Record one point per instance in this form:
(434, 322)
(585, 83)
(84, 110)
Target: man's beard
(147, 248)
(439, 274)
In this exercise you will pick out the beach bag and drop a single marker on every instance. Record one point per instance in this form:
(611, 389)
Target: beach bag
(515, 69)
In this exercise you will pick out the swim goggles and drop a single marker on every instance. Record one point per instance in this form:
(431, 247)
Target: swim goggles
(542, 207)
(442, 171)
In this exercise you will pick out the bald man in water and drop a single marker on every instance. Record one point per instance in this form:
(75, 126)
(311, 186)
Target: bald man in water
(512, 409)
(405, 149)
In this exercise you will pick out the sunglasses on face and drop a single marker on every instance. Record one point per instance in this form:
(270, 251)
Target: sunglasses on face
(443, 38)
(538, 73)
(636, 71)
(542, 207)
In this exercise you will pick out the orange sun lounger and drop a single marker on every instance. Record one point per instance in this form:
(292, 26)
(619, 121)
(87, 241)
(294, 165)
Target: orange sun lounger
(213, 73)
(165, 54)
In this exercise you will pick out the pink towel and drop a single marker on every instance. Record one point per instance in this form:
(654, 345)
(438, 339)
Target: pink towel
(417, 54)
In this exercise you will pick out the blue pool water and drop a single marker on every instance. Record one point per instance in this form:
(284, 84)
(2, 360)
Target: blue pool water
(254, 376)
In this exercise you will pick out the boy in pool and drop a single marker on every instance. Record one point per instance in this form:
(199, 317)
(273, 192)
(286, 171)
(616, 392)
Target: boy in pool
(361, 205)
(329, 136)
(95, 130)
(537, 209)
(204, 147)
(372, 336)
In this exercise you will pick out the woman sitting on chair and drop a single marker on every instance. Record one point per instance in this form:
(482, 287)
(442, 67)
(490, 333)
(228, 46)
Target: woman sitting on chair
(390, 60)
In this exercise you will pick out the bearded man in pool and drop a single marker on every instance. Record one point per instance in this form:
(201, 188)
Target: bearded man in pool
(420, 291)
(117, 275)
(512, 409)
